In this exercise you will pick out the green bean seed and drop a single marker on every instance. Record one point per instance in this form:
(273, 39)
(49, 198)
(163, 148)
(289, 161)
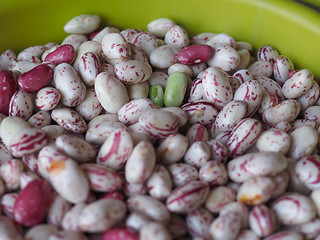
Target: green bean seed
(156, 94)
(175, 89)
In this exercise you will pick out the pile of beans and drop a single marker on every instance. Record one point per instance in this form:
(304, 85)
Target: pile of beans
(131, 134)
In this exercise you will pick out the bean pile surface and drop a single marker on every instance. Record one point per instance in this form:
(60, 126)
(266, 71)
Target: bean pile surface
(156, 135)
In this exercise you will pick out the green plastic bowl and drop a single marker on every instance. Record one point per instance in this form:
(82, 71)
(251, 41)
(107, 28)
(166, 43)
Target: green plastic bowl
(292, 28)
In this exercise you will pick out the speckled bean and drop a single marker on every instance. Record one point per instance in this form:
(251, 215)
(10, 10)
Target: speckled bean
(261, 68)
(230, 115)
(243, 75)
(216, 86)
(274, 141)
(214, 173)
(21, 105)
(47, 98)
(101, 215)
(268, 100)
(225, 227)
(172, 149)
(225, 57)
(197, 154)
(251, 93)
(149, 206)
(310, 97)
(201, 111)
(267, 53)
(218, 197)
(304, 140)
(219, 151)
(62, 54)
(69, 119)
(198, 222)
(70, 219)
(160, 26)
(115, 47)
(197, 132)
(132, 71)
(294, 208)
(82, 24)
(307, 170)
(75, 40)
(287, 110)
(281, 68)
(262, 220)
(40, 119)
(145, 42)
(159, 183)
(285, 235)
(298, 85)
(110, 90)
(312, 113)
(196, 91)
(154, 231)
(41, 231)
(88, 46)
(64, 174)
(69, 84)
(89, 68)
(256, 164)
(10, 173)
(182, 173)
(187, 198)
(177, 36)
(239, 208)
(164, 56)
(140, 163)
(8, 229)
(7, 203)
(116, 149)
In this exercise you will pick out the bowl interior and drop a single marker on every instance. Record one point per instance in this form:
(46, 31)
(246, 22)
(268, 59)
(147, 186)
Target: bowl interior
(292, 28)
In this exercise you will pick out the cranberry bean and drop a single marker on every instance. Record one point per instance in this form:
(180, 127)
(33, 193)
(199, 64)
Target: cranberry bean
(164, 56)
(41, 231)
(251, 93)
(88, 46)
(27, 177)
(10, 173)
(75, 40)
(256, 164)
(115, 47)
(230, 115)
(67, 175)
(172, 149)
(158, 123)
(202, 111)
(225, 227)
(262, 220)
(267, 53)
(187, 198)
(177, 36)
(111, 93)
(281, 68)
(82, 24)
(47, 98)
(182, 173)
(298, 84)
(132, 71)
(294, 208)
(149, 206)
(9, 229)
(70, 219)
(57, 210)
(101, 33)
(270, 86)
(256, 190)
(8, 59)
(198, 222)
(181, 115)
(117, 148)
(141, 163)
(245, 58)
(225, 57)
(243, 75)
(214, 173)
(284, 126)
(268, 100)
(197, 154)
(75, 147)
(281, 181)
(120, 233)
(310, 97)
(196, 91)
(224, 39)
(243, 136)
(33, 51)
(136, 220)
(69, 119)
(5, 154)
(274, 141)
(89, 68)
(261, 68)
(145, 42)
(155, 231)
(159, 183)
(239, 208)
(131, 111)
(69, 84)
(101, 215)
(219, 151)
(312, 113)
(303, 142)
(40, 119)
(287, 110)
(202, 37)
(219, 197)
(62, 54)
(195, 54)
(160, 26)
(197, 132)
(8, 87)
(21, 105)
(216, 86)
(285, 235)
(7, 203)
(247, 234)
(32, 204)
(307, 169)
(67, 235)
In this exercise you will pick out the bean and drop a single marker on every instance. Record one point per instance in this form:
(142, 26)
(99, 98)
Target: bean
(82, 24)
(219, 197)
(21, 105)
(225, 227)
(159, 183)
(261, 68)
(154, 231)
(156, 95)
(62, 54)
(198, 222)
(262, 220)
(58, 208)
(267, 53)
(197, 154)
(70, 219)
(182, 173)
(177, 36)
(8, 87)
(160, 26)
(197, 132)
(41, 231)
(298, 84)
(274, 141)
(175, 89)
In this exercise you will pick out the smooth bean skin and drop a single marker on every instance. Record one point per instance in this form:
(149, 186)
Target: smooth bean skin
(8, 87)
(182, 173)
(160, 26)
(111, 92)
(294, 208)
(225, 227)
(262, 220)
(219, 197)
(195, 54)
(274, 141)
(62, 54)
(82, 24)
(175, 89)
(156, 95)
(307, 170)
(298, 84)
(41, 231)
